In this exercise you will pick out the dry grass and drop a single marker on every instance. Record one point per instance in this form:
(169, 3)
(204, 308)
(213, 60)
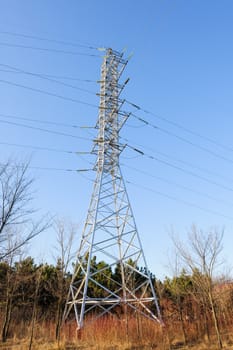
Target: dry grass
(41, 345)
(23, 345)
(110, 334)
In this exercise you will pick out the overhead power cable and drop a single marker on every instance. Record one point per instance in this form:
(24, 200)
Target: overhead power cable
(74, 136)
(216, 155)
(61, 77)
(45, 130)
(87, 46)
(48, 93)
(139, 118)
(135, 149)
(191, 165)
(75, 126)
(191, 173)
(59, 169)
(81, 172)
(45, 49)
(41, 76)
(179, 126)
(49, 149)
(218, 200)
(40, 148)
(176, 199)
(50, 168)
(128, 141)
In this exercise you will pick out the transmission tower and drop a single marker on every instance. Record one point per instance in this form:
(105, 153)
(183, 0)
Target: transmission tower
(120, 281)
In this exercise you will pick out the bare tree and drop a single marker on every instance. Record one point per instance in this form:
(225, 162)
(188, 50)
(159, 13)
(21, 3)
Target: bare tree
(17, 226)
(178, 287)
(15, 207)
(10, 285)
(200, 257)
(65, 237)
(38, 274)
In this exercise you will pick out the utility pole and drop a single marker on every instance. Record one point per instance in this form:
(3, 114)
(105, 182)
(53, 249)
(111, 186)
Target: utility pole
(110, 233)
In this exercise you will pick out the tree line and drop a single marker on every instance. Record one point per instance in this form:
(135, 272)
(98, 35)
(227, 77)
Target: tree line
(194, 303)
(31, 292)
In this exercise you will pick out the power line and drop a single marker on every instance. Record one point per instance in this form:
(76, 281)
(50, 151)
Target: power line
(41, 76)
(44, 49)
(180, 200)
(47, 77)
(53, 76)
(129, 146)
(75, 126)
(180, 169)
(179, 126)
(219, 200)
(48, 93)
(45, 130)
(83, 127)
(51, 40)
(59, 169)
(37, 147)
(139, 118)
(50, 168)
(182, 139)
(179, 160)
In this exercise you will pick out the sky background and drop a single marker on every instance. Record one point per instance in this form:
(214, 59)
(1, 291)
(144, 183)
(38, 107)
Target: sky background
(181, 73)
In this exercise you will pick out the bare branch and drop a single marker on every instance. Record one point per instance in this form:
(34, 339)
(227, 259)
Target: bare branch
(16, 207)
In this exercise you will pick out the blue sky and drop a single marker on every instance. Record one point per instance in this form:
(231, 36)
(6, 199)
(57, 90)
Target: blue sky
(181, 71)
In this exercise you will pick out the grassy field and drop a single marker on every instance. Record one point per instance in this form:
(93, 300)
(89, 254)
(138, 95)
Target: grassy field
(110, 334)
(23, 345)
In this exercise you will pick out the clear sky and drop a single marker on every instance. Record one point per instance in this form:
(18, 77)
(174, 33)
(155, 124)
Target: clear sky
(181, 71)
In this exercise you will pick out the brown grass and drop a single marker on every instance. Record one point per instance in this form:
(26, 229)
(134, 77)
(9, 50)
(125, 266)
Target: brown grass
(110, 334)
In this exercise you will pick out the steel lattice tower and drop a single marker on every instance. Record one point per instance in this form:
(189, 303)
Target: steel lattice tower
(110, 234)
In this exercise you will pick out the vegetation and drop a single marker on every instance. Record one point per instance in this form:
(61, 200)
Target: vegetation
(196, 307)
(17, 226)
(31, 297)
